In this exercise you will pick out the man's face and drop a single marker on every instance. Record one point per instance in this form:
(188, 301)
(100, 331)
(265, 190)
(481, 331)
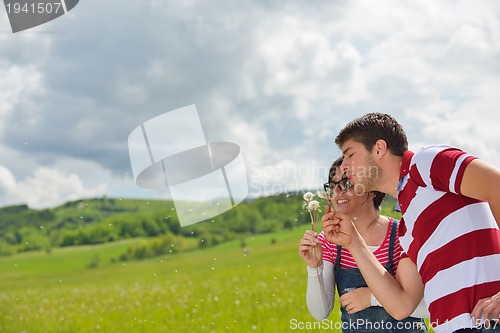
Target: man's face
(360, 167)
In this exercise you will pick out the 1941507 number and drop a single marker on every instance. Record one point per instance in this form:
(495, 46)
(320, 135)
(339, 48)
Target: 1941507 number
(40, 8)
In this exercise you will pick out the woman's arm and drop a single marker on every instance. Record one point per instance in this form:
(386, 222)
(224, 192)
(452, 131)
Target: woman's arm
(320, 301)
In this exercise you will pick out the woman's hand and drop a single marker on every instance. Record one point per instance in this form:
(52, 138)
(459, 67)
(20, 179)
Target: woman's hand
(310, 249)
(356, 300)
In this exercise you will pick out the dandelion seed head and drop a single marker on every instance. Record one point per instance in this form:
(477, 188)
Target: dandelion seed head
(308, 196)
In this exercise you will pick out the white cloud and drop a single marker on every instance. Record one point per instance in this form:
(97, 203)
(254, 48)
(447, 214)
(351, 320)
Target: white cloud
(304, 62)
(46, 187)
(16, 82)
(471, 125)
(7, 181)
(278, 79)
(286, 176)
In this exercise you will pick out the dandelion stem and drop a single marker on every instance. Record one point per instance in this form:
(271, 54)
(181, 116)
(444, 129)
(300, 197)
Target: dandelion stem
(314, 217)
(313, 226)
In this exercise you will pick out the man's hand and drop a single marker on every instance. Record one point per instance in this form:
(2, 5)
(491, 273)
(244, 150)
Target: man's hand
(338, 228)
(488, 308)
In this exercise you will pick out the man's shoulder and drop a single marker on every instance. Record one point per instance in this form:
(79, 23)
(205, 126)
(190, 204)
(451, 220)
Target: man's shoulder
(434, 149)
(427, 153)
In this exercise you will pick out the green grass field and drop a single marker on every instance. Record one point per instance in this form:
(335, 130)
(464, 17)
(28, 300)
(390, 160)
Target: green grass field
(218, 289)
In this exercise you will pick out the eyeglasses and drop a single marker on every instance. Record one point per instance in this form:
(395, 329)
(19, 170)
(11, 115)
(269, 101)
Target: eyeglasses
(343, 185)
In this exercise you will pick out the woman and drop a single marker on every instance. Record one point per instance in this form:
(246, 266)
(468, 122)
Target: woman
(360, 310)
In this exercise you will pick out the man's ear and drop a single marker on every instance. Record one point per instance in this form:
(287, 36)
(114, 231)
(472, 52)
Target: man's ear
(380, 148)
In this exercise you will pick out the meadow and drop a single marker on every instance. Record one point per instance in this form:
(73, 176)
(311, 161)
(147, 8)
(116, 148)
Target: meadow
(226, 288)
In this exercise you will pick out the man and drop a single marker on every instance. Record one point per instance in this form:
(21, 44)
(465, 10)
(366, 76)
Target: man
(450, 202)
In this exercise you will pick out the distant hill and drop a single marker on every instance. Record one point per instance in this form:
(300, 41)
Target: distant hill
(101, 220)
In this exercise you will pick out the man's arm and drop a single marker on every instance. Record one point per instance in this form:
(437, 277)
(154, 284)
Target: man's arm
(482, 181)
(399, 298)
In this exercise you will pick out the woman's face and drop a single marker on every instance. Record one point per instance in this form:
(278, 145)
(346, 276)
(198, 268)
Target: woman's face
(351, 200)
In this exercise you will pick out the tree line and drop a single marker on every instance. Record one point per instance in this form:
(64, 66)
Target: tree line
(101, 220)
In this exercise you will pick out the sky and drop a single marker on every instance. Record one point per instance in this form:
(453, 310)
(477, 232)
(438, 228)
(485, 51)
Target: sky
(277, 78)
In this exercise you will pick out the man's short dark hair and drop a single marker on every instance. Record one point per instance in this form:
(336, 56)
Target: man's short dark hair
(372, 127)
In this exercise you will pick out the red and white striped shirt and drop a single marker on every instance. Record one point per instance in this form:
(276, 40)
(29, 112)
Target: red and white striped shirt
(453, 239)
(346, 259)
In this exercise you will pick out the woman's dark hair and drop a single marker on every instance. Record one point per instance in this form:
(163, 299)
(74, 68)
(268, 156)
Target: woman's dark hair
(378, 196)
(372, 127)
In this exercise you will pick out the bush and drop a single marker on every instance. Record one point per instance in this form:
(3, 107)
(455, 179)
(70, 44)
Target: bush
(94, 262)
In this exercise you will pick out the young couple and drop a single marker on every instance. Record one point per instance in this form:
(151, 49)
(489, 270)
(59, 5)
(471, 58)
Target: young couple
(449, 234)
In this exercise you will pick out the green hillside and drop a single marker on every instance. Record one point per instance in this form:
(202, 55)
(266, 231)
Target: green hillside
(239, 272)
(225, 288)
(97, 221)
